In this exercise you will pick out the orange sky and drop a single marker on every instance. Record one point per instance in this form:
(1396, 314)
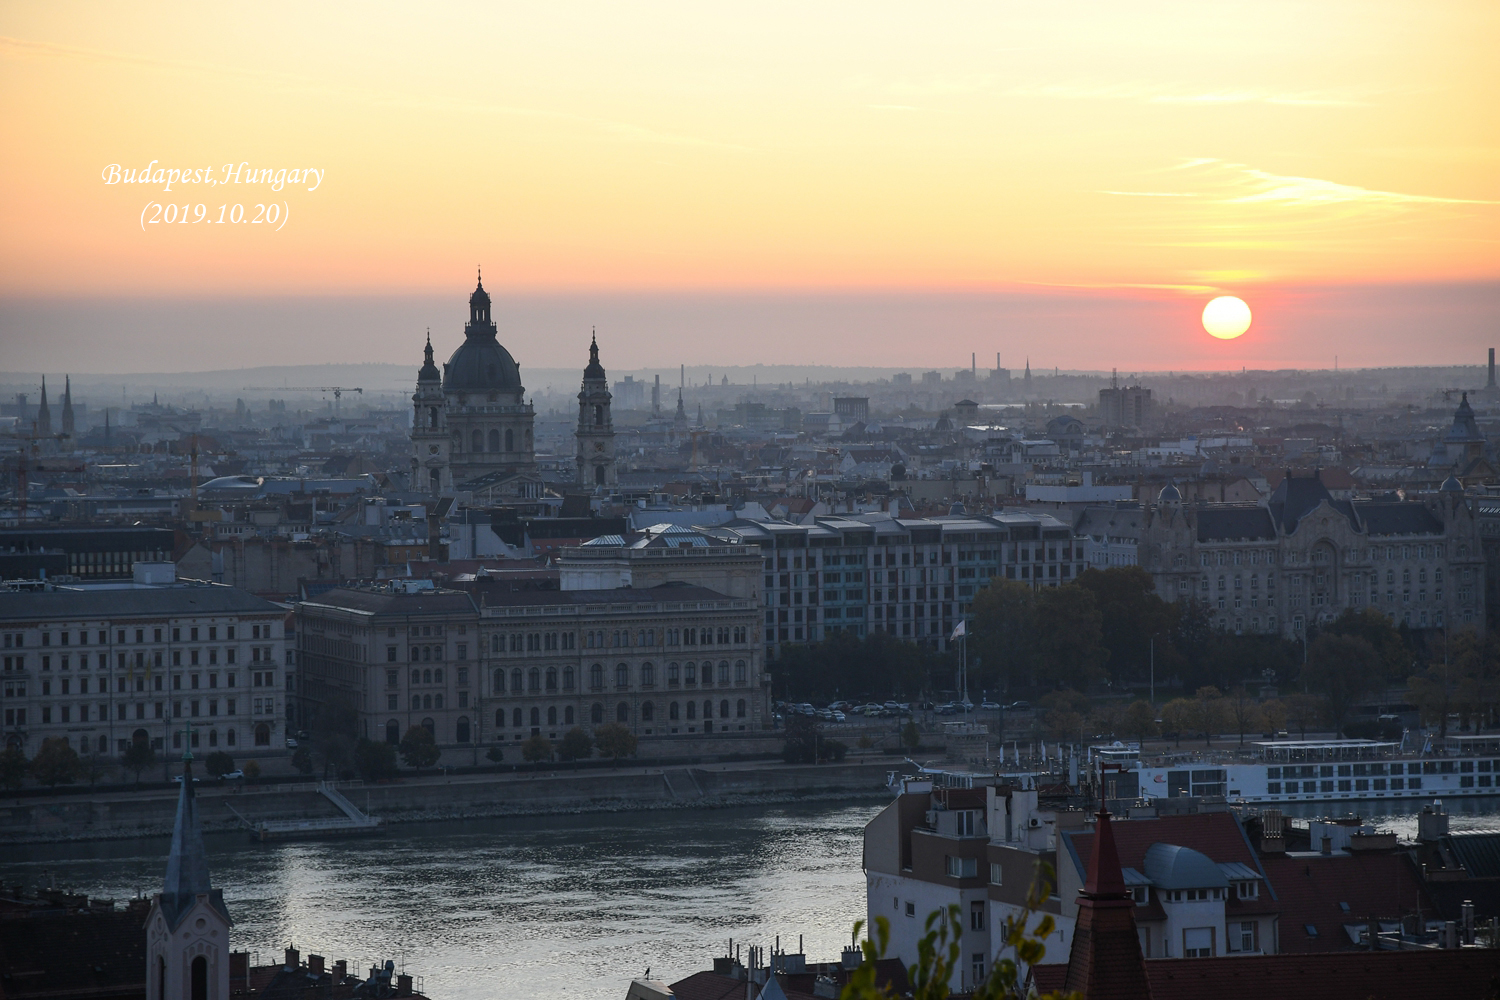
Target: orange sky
(1174, 149)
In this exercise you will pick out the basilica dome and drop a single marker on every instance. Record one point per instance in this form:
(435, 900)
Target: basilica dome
(481, 364)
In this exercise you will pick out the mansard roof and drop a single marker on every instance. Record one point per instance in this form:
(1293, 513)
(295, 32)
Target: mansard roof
(1401, 518)
(1236, 523)
(1295, 497)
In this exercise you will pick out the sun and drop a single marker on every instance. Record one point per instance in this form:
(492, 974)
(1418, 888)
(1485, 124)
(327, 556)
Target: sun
(1226, 317)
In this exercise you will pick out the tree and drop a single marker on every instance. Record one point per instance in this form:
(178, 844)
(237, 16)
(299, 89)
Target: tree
(56, 763)
(1140, 720)
(911, 736)
(1181, 715)
(1394, 656)
(251, 769)
(138, 756)
(1273, 710)
(1303, 710)
(1070, 648)
(615, 740)
(1130, 615)
(95, 765)
(335, 731)
(1342, 669)
(218, 764)
(843, 665)
(375, 760)
(495, 754)
(13, 767)
(418, 748)
(802, 735)
(302, 760)
(1243, 711)
(576, 744)
(1213, 714)
(536, 749)
(1004, 634)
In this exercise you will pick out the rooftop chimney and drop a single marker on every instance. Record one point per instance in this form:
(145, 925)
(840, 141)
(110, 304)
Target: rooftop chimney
(315, 964)
(340, 970)
(1327, 845)
(403, 986)
(292, 959)
(1491, 384)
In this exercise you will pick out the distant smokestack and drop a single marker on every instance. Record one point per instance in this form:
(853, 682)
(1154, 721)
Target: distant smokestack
(973, 363)
(1492, 368)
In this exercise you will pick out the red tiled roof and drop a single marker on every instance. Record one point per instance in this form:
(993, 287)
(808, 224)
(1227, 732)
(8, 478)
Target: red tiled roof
(709, 986)
(1386, 975)
(1215, 834)
(1310, 890)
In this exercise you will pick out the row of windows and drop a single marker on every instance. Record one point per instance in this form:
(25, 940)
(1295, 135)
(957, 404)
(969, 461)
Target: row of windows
(84, 712)
(140, 682)
(676, 712)
(1373, 784)
(141, 659)
(16, 640)
(537, 679)
(542, 642)
(87, 744)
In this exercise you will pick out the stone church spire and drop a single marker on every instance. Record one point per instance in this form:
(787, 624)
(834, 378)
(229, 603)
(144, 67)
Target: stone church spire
(596, 429)
(44, 413)
(1106, 962)
(187, 932)
(68, 427)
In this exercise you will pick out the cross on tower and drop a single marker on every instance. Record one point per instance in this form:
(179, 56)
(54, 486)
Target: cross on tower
(187, 740)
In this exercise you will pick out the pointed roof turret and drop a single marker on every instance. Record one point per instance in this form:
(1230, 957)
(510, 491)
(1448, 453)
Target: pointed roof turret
(67, 413)
(428, 371)
(187, 864)
(44, 412)
(1105, 962)
(594, 370)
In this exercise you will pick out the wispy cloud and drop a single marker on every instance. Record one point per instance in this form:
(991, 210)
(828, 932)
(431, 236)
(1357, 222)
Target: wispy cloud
(1224, 182)
(1173, 94)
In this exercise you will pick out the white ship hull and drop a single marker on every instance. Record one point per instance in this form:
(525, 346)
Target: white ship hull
(1423, 778)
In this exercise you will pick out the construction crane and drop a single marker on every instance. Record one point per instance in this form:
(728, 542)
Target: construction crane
(337, 390)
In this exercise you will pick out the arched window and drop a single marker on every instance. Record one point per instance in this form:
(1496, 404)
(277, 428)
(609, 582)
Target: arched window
(494, 440)
(432, 420)
(708, 709)
(461, 732)
(596, 677)
(510, 440)
(437, 700)
(724, 709)
(104, 742)
(515, 681)
(478, 438)
(740, 672)
(598, 415)
(427, 701)
(598, 475)
(739, 709)
(551, 678)
(674, 674)
(228, 738)
(536, 716)
(161, 977)
(213, 737)
(427, 676)
(723, 673)
(263, 735)
(596, 714)
(515, 718)
(426, 653)
(499, 718)
(552, 715)
(431, 727)
(416, 702)
(648, 673)
(199, 988)
(622, 675)
(567, 678)
(690, 673)
(533, 679)
(673, 712)
(499, 681)
(648, 712)
(495, 644)
(393, 731)
(622, 712)
(568, 716)
(692, 710)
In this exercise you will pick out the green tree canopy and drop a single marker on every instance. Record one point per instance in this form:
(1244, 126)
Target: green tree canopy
(1004, 635)
(576, 744)
(615, 740)
(56, 763)
(1131, 614)
(1139, 720)
(1343, 669)
(13, 768)
(375, 760)
(1069, 638)
(536, 749)
(218, 764)
(138, 756)
(418, 748)
(844, 665)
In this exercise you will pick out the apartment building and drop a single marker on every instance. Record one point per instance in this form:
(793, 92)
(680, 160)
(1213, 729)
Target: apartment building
(909, 577)
(104, 665)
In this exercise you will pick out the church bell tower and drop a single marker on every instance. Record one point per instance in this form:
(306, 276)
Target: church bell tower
(431, 472)
(596, 429)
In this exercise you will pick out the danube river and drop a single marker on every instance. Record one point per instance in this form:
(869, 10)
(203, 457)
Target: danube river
(548, 906)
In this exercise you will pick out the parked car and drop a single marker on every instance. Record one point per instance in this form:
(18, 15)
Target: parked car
(291, 744)
(1019, 706)
(839, 717)
(990, 706)
(178, 778)
(232, 774)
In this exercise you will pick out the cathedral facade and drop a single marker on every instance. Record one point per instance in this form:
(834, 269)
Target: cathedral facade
(472, 427)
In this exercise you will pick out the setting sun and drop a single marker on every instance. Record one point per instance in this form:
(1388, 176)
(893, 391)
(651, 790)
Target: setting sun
(1226, 317)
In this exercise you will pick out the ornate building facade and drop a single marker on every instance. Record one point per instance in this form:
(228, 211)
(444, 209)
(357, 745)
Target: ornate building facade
(472, 426)
(1303, 556)
(596, 429)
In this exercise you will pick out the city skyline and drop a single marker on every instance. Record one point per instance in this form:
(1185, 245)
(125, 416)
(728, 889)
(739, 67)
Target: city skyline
(709, 187)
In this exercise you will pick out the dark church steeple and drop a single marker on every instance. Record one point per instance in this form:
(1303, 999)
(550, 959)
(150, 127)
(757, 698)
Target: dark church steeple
(44, 413)
(479, 306)
(68, 426)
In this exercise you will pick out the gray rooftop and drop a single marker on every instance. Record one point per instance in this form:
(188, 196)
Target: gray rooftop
(178, 600)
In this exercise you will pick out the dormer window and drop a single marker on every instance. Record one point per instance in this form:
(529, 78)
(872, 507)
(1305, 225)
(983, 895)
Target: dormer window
(1248, 890)
(1141, 894)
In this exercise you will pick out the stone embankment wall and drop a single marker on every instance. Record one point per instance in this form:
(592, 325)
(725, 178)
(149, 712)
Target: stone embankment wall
(118, 815)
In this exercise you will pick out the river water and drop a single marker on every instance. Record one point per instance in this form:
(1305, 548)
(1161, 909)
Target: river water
(540, 906)
(547, 906)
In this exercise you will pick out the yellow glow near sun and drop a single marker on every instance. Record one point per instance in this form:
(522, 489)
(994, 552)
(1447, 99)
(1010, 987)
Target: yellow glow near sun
(1226, 317)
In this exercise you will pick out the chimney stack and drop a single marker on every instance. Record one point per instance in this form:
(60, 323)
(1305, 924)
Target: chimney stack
(403, 986)
(1327, 845)
(315, 964)
(1491, 384)
(340, 970)
(292, 959)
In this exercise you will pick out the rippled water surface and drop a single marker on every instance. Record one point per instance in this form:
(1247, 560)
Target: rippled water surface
(545, 906)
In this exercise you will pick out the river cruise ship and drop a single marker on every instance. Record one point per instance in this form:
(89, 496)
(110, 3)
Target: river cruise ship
(1309, 770)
